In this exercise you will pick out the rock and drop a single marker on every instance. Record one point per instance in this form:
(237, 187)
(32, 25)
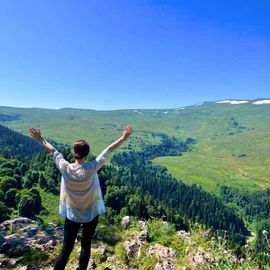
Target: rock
(50, 245)
(19, 222)
(186, 236)
(132, 248)
(162, 252)
(91, 265)
(143, 235)
(102, 250)
(183, 234)
(126, 221)
(28, 236)
(14, 261)
(165, 265)
(113, 259)
(201, 249)
(208, 257)
(198, 259)
(10, 262)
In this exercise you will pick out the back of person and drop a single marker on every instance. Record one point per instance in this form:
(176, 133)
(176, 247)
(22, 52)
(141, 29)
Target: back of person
(81, 200)
(80, 193)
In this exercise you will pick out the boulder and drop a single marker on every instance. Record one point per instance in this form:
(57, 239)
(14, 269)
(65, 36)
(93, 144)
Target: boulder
(126, 221)
(50, 245)
(113, 260)
(18, 222)
(134, 246)
(28, 236)
(162, 252)
(101, 248)
(91, 265)
(10, 262)
(165, 265)
(198, 259)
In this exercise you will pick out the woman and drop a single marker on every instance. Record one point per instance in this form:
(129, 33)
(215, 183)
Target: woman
(81, 199)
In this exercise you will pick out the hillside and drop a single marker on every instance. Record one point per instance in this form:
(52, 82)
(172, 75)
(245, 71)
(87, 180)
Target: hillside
(131, 244)
(133, 186)
(233, 146)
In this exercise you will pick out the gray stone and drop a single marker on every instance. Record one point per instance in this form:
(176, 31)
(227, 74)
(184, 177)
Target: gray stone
(183, 234)
(19, 222)
(50, 245)
(143, 235)
(162, 252)
(102, 250)
(91, 265)
(198, 259)
(133, 247)
(126, 221)
(165, 265)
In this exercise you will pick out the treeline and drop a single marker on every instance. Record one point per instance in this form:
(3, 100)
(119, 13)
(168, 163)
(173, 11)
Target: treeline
(262, 244)
(137, 170)
(254, 206)
(121, 199)
(15, 145)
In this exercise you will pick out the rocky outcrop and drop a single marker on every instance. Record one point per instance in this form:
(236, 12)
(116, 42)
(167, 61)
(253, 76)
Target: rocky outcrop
(126, 221)
(27, 235)
(165, 265)
(17, 222)
(162, 252)
(133, 247)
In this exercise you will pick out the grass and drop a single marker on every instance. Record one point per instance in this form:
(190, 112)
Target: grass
(201, 238)
(216, 161)
(212, 171)
(50, 204)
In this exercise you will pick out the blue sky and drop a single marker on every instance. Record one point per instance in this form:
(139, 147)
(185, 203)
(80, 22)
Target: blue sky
(133, 54)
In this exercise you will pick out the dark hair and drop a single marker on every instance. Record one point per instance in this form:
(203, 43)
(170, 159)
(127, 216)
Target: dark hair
(80, 149)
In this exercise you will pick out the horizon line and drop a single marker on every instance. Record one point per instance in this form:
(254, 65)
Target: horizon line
(89, 109)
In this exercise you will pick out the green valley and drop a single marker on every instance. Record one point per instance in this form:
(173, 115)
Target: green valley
(233, 140)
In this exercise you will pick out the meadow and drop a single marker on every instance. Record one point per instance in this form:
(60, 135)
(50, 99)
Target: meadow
(233, 141)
